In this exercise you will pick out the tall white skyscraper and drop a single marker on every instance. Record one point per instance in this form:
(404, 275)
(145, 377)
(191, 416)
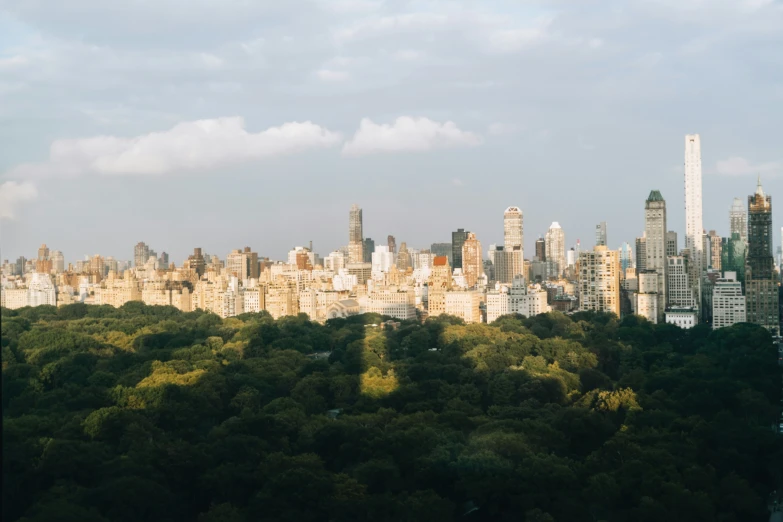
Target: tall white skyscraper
(694, 227)
(513, 240)
(555, 246)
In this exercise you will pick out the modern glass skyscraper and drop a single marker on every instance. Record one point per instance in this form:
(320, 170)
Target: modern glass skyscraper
(355, 235)
(457, 240)
(761, 289)
(694, 227)
(655, 244)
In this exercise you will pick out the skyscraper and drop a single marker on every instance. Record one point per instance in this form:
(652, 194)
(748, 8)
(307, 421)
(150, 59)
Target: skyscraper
(472, 260)
(457, 240)
(355, 235)
(599, 280)
(761, 289)
(738, 220)
(641, 253)
(141, 254)
(671, 243)
(716, 247)
(694, 228)
(403, 258)
(555, 246)
(513, 239)
(600, 234)
(626, 258)
(368, 247)
(442, 249)
(655, 244)
(392, 243)
(541, 249)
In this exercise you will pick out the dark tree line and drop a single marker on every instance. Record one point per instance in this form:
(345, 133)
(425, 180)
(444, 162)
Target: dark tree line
(147, 413)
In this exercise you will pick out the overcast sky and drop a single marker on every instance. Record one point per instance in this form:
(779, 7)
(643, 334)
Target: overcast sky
(231, 123)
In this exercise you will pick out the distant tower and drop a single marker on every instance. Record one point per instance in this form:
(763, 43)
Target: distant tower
(472, 262)
(694, 228)
(392, 242)
(141, 254)
(541, 249)
(555, 246)
(600, 235)
(513, 239)
(368, 247)
(655, 244)
(403, 258)
(738, 220)
(641, 253)
(457, 240)
(761, 289)
(355, 235)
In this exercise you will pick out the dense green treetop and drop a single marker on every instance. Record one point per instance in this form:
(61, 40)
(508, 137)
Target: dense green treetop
(147, 413)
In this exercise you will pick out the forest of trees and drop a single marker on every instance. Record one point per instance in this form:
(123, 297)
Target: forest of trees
(146, 413)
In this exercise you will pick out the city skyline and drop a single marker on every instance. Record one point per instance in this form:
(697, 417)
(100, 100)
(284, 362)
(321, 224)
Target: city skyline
(110, 139)
(357, 225)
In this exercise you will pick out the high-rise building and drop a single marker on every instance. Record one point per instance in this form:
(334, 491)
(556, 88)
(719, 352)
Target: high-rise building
(355, 235)
(679, 292)
(403, 258)
(141, 254)
(472, 260)
(541, 249)
(733, 253)
(655, 244)
(58, 262)
(164, 260)
(442, 249)
(641, 253)
(368, 247)
(382, 260)
(671, 243)
(738, 220)
(728, 303)
(600, 234)
(761, 288)
(21, 264)
(43, 253)
(392, 243)
(197, 262)
(647, 298)
(626, 258)
(716, 248)
(694, 228)
(599, 280)
(555, 246)
(513, 239)
(438, 284)
(457, 240)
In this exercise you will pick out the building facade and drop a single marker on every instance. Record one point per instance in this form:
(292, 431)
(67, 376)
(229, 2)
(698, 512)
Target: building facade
(655, 245)
(599, 280)
(761, 287)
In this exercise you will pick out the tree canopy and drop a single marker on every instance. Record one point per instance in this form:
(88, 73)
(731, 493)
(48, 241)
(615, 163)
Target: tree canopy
(147, 413)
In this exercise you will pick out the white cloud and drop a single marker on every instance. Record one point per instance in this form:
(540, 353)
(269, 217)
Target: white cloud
(738, 166)
(457, 182)
(408, 134)
(192, 145)
(12, 194)
(329, 75)
(499, 128)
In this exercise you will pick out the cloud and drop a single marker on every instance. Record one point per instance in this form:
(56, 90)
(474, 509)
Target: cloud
(408, 134)
(13, 194)
(457, 182)
(738, 166)
(193, 145)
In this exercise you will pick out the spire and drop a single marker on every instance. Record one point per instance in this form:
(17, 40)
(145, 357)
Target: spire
(759, 190)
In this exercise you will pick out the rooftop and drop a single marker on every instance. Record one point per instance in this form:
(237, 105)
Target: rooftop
(655, 195)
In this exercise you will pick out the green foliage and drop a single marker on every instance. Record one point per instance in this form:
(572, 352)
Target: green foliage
(147, 413)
